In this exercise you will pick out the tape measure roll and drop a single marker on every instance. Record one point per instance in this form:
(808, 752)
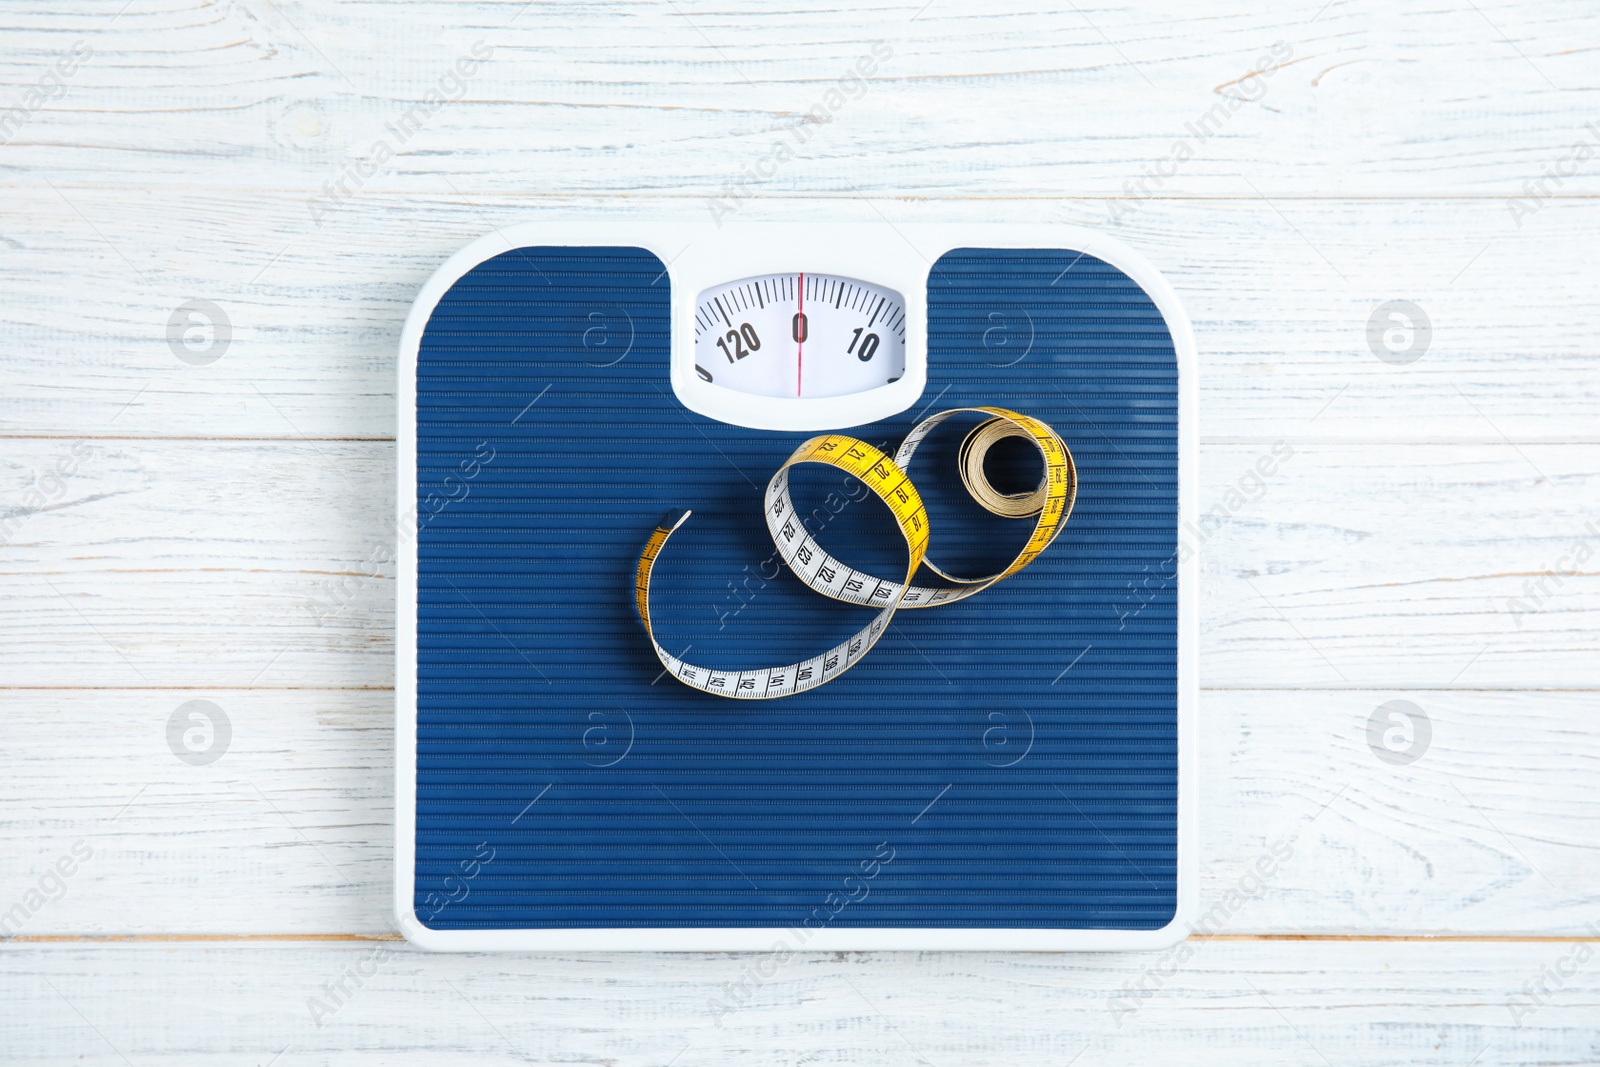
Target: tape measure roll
(886, 478)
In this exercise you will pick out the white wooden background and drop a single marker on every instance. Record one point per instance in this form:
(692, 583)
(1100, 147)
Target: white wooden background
(215, 505)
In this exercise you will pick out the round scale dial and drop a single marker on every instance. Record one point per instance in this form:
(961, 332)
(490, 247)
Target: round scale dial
(800, 335)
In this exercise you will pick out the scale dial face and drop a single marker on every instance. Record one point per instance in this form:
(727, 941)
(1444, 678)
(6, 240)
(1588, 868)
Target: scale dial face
(800, 335)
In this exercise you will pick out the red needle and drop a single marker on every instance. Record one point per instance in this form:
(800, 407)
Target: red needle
(799, 345)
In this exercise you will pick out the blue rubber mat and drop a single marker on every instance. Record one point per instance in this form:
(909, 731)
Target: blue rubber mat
(1006, 761)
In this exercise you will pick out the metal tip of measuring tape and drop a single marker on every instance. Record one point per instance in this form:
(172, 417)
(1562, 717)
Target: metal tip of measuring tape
(674, 519)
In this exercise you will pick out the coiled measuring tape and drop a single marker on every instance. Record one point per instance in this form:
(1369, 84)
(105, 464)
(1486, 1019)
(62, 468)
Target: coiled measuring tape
(887, 479)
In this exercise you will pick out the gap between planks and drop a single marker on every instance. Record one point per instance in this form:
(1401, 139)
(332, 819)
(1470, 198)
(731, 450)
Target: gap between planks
(390, 688)
(632, 193)
(1205, 442)
(79, 939)
(219, 440)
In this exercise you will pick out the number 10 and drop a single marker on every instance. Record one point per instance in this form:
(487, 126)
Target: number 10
(869, 344)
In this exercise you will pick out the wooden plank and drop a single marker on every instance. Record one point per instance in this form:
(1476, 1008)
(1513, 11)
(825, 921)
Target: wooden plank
(1489, 829)
(1426, 566)
(635, 97)
(240, 564)
(1222, 1003)
(1281, 292)
(289, 827)
(1492, 830)
(238, 560)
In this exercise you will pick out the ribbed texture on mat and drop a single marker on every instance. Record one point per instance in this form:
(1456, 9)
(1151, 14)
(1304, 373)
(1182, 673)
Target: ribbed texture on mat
(1008, 761)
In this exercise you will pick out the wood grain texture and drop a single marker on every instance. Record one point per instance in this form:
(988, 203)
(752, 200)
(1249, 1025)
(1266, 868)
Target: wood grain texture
(1492, 831)
(1281, 293)
(639, 97)
(1234, 1003)
(291, 829)
(236, 564)
(1428, 540)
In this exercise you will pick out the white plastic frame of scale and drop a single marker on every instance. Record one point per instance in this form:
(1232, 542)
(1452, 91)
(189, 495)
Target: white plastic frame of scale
(698, 258)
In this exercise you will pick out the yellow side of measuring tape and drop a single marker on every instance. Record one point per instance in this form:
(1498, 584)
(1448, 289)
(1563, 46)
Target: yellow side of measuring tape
(887, 479)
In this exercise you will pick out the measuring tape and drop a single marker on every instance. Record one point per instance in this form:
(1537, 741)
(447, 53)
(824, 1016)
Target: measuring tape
(886, 478)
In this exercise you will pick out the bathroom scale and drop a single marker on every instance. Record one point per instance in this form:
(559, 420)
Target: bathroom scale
(790, 587)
